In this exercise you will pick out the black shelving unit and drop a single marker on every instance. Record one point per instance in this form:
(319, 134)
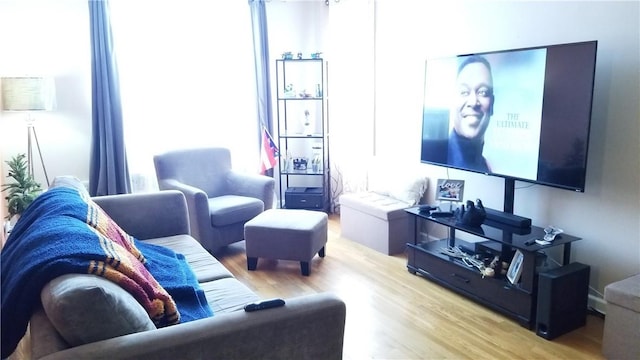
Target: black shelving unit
(303, 128)
(516, 300)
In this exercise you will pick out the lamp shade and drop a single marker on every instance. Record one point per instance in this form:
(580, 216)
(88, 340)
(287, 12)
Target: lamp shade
(27, 93)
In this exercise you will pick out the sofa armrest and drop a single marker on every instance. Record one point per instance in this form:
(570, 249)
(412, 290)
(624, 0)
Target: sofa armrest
(307, 327)
(48, 339)
(197, 205)
(256, 186)
(148, 215)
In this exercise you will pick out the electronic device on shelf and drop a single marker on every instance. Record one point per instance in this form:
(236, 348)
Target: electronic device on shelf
(538, 103)
(427, 207)
(507, 218)
(440, 214)
(434, 211)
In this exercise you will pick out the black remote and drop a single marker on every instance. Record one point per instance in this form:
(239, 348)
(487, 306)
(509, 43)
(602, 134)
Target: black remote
(439, 214)
(426, 208)
(264, 304)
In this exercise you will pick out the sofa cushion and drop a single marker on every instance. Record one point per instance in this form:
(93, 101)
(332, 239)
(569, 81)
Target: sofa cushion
(87, 308)
(227, 295)
(232, 209)
(204, 265)
(70, 182)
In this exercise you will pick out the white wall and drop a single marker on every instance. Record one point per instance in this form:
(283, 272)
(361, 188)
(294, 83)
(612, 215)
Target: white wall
(296, 26)
(49, 38)
(607, 215)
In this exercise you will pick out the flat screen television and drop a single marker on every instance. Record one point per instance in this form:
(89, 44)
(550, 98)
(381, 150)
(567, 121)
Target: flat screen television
(521, 114)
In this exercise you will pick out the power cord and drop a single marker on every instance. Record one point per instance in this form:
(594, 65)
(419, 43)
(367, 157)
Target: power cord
(468, 260)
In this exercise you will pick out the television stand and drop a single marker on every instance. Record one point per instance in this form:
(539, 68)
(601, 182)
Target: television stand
(517, 300)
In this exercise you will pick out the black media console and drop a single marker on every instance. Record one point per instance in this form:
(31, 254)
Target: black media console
(517, 300)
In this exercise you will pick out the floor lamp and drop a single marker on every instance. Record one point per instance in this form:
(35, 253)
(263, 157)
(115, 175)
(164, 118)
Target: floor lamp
(29, 94)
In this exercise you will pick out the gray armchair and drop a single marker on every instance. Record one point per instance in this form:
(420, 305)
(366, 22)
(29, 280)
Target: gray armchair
(220, 200)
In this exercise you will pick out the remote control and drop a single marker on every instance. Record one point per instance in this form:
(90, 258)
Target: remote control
(426, 208)
(264, 304)
(438, 214)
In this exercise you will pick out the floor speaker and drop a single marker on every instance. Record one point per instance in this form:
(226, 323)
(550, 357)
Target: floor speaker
(562, 300)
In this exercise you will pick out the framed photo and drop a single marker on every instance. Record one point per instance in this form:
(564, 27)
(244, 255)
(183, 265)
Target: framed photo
(515, 269)
(450, 190)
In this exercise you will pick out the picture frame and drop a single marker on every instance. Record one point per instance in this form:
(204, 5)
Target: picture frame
(450, 190)
(515, 269)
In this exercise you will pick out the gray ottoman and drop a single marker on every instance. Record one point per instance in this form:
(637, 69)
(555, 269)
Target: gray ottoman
(286, 234)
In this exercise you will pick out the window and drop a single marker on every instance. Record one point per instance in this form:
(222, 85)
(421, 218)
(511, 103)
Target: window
(187, 79)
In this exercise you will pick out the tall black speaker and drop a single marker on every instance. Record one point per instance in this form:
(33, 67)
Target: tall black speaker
(562, 300)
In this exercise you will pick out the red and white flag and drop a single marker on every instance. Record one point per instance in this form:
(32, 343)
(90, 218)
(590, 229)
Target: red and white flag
(268, 152)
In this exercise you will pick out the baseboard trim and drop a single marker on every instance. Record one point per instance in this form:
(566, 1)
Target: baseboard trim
(597, 303)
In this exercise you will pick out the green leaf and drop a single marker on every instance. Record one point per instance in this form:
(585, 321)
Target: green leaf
(23, 189)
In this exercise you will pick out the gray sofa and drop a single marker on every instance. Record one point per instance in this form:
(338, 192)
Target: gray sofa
(307, 327)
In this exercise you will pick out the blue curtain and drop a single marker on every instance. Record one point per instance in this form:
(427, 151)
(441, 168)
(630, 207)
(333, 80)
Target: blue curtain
(261, 54)
(109, 172)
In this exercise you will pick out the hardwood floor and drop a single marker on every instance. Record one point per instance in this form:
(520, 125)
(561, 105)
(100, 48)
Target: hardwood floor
(392, 314)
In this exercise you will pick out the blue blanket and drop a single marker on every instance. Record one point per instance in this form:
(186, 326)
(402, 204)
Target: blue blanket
(62, 232)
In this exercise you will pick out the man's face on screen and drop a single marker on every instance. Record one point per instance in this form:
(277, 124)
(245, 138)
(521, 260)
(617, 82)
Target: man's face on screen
(474, 102)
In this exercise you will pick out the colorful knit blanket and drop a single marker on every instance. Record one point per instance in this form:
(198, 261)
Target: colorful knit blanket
(63, 232)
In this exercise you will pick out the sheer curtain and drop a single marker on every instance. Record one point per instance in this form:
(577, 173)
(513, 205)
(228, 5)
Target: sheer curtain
(351, 93)
(187, 79)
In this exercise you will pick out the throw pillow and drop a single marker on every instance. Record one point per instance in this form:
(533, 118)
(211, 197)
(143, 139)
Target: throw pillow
(87, 308)
(70, 182)
(399, 180)
(409, 189)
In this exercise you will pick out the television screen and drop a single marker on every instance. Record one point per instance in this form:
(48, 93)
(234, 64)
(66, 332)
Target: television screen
(522, 113)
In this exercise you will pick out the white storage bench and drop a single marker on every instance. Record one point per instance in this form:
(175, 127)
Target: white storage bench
(376, 221)
(620, 338)
(375, 216)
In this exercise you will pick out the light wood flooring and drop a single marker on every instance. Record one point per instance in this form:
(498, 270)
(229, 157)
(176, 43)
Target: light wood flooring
(392, 314)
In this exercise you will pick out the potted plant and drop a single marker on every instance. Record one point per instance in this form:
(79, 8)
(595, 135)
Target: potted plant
(23, 190)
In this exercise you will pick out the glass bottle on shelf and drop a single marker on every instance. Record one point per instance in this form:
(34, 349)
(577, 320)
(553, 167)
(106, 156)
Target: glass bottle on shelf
(288, 162)
(316, 162)
(307, 124)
